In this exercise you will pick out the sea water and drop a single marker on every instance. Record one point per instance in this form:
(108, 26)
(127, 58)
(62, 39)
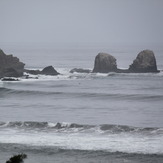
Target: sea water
(82, 117)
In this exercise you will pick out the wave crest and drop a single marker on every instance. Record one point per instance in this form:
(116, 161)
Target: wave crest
(74, 127)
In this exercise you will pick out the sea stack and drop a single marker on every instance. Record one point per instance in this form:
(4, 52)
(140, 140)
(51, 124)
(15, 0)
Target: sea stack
(144, 62)
(105, 63)
(10, 66)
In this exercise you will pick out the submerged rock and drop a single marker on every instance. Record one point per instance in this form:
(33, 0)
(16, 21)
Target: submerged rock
(80, 70)
(144, 62)
(10, 66)
(33, 72)
(30, 77)
(105, 63)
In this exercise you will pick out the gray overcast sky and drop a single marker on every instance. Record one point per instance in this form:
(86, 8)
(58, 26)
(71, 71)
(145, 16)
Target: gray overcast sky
(90, 21)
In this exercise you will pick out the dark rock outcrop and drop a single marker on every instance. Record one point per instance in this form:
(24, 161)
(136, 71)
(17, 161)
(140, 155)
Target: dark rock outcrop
(49, 71)
(10, 66)
(29, 77)
(105, 63)
(17, 158)
(80, 70)
(144, 62)
(11, 72)
(46, 71)
(33, 72)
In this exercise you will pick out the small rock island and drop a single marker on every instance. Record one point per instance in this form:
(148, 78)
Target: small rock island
(144, 62)
(105, 63)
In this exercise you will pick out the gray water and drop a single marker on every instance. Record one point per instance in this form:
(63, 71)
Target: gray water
(82, 117)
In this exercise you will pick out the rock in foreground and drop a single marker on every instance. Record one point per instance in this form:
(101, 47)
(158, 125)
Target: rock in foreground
(17, 158)
(144, 62)
(10, 66)
(105, 63)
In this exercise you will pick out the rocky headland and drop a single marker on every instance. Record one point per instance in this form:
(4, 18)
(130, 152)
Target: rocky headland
(10, 66)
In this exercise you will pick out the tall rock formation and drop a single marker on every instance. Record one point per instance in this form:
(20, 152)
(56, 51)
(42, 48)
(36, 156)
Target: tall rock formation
(144, 62)
(105, 63)
(10, 66)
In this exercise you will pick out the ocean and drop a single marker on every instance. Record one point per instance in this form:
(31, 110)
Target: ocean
(82, 117)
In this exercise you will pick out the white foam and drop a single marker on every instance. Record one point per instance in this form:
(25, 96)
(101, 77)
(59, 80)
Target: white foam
(102, 74)
(50, 124)
(1, 84)
(124, 142)
(66, 75)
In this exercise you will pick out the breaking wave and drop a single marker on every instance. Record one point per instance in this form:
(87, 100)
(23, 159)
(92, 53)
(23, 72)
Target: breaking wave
(74, 127)
(72, 136)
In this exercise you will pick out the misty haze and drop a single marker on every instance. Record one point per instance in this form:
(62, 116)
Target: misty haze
(81, 81)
